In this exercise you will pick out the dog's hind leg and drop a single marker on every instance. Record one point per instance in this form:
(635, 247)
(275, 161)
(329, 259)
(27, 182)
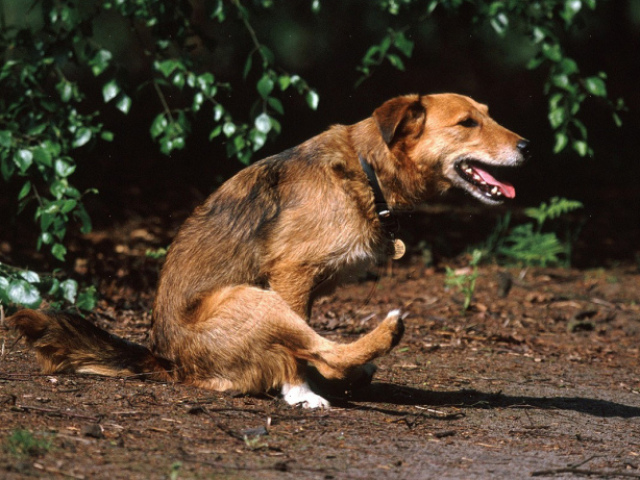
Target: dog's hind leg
(253, 342)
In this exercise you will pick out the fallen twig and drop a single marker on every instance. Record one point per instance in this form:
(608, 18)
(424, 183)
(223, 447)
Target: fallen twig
(586, 473)
(53, 411)
(55, 471)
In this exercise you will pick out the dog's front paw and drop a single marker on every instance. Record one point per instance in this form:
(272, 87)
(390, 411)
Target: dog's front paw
(303, 396)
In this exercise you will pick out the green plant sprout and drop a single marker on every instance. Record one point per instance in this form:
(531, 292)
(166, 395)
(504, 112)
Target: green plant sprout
(527, 243)
(465, 282)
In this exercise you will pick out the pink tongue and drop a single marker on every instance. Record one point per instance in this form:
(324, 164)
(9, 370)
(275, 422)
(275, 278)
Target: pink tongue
(506, 188)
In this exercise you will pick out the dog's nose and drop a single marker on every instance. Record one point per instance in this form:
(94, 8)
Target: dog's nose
(523, 147)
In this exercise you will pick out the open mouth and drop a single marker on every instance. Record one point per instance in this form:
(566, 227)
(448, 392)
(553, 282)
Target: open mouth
(482, 182)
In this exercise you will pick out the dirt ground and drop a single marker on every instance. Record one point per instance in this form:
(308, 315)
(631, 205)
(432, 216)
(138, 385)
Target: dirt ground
(541, 382)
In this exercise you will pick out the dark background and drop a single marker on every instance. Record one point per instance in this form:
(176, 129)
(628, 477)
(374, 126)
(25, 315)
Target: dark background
(452, 54)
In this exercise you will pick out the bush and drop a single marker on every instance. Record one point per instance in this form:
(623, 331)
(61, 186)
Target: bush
(48, 112)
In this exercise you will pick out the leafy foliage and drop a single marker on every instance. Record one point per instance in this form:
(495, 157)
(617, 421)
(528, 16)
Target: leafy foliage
(27, 288)
(543, 24)
(53, 60)
(44, 118)
(527, 243)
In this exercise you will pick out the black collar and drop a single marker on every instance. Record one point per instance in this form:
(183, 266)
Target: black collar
(387, 219)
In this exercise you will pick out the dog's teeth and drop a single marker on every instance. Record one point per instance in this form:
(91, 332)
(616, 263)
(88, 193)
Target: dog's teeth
(494, 191)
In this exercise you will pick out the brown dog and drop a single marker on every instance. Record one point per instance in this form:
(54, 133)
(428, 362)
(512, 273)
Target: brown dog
(243, 272)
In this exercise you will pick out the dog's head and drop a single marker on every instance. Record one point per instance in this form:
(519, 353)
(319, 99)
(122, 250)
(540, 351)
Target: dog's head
(452, 141)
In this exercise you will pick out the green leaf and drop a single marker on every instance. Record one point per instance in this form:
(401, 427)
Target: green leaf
(263, 123)
(552, 51)
(36, 130)
(267, 55)
(258, 139)
(167, 67)
(595, 86)
(265, 86)
(562, 81)
(247, 66)
(23, 159)
(59, 251)
(228, 129)
(55, 286)
(42, 156)
(58, 188)
(100, 61)
(65, 89)
(69, 290)
(403, 44)
(568, 66)
(5, 138)
(239, 142)
(396, 61)
(46, 238)
(110, 90)
(158, 125)
(557, 117)
(53, 148)
(218, 112)
(215, 132)
(24, 191)
(276, 104)
(85, 220)
(106, 135)
(581, 147)
(535, 62)
(68, 205)
(124, 103)
(29, 276)
(23, 293)
(198, 99)
(205, 81)
(178, 143)
(500, 23)
(63, 168)
(571, 8)
(7, 169)
(4, 287)
(87, 299)
(83, 135)
(284, 81)
(312, 99)
(179, 80)
(561, 142)
(617, 120)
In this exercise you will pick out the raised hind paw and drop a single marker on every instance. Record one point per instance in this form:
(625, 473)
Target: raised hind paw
(391, 329)
(303, 396)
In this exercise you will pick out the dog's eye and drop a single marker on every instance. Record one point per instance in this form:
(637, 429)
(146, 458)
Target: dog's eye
(468, 123)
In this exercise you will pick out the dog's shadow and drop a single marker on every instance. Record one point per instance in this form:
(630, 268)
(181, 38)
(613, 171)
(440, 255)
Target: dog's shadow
(387, 393)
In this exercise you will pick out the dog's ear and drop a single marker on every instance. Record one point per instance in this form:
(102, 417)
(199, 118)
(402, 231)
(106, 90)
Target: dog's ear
(400, 116)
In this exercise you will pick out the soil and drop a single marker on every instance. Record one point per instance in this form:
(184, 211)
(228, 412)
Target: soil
(537, 380)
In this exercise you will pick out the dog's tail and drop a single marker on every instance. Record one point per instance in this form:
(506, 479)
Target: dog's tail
(67, 343)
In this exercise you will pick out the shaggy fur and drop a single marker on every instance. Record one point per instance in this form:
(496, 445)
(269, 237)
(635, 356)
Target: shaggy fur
(241, 276)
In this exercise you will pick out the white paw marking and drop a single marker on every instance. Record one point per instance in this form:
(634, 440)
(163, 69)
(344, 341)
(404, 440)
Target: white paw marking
(303, 396)
(394, 313)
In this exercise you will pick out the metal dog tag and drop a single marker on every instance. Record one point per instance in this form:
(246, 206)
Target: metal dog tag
(399, 249)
